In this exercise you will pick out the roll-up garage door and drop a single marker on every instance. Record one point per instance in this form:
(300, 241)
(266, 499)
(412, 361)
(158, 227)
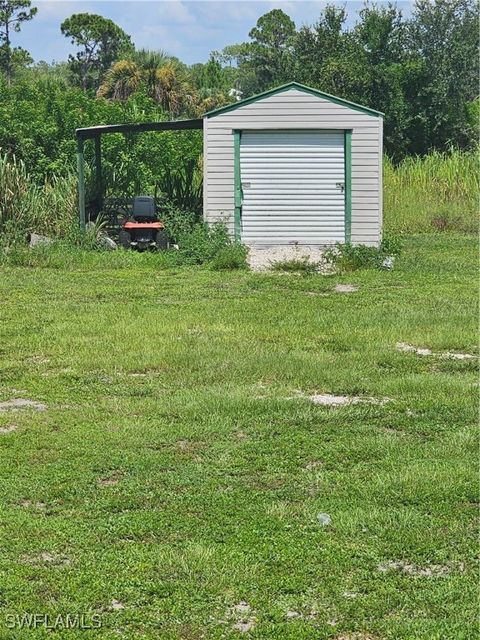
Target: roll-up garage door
(293, 187)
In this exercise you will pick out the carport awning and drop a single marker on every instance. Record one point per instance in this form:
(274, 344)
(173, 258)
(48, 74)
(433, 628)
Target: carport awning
(96, 134)
(170, 125)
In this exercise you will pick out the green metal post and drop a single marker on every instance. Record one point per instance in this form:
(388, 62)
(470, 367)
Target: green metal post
(348, 186)
(81, 182)
(237, 185)
(98, 173)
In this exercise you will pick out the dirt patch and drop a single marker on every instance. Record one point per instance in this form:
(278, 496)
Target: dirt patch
(429, 571)
(409, 348)
(22, 403)
(10, 428)
(459, 356)
(29, 504)
(37, 360)
(189, 446)
(313, 464)
(245, 620)
(46, 557)
(354, 636)
(346, 288)
(423, 351)
(262, 259)
(116, 605)
(292, 614)
(111, 480)
(316, 293)
(330, 400)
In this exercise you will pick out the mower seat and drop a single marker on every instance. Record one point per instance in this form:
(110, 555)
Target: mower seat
(144, 209)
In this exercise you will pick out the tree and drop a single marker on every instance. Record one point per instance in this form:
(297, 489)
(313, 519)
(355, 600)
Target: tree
(444, 41)
(267, 60)
(101, 43)
(12, 14)
(329, 58)
(120, 81)
(381, 33)
(166, 84)
(149, 62)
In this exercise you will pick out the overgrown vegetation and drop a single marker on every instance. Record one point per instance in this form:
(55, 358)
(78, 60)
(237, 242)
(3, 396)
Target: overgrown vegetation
(347, 257)
(204, 243)
(344, 258)
(439, 192)
(48, 208)
(296, 265)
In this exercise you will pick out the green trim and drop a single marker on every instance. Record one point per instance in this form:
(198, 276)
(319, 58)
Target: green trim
(81, 183)
(300, 87)
(237, 185)
(348, 186)
(98, 172)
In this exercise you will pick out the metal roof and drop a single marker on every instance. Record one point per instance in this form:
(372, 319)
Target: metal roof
(171, 125)
(300, 87)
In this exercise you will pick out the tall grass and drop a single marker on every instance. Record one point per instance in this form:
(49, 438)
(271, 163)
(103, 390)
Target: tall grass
(439, 192)
(49, 208)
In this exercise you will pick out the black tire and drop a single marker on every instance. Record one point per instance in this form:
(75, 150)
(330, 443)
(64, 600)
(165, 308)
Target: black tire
(162, 240)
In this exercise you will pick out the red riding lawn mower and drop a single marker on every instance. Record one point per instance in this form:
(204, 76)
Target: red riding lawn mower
(142, 230)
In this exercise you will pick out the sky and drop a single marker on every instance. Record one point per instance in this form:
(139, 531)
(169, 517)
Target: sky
(189, 30)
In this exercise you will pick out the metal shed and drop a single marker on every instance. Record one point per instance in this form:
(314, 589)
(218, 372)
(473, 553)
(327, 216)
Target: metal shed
(295, 165)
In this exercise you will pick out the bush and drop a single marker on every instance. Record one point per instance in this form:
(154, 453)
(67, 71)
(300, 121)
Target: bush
(177, 221)
(233, 256)
(348, 257)
(205, 243)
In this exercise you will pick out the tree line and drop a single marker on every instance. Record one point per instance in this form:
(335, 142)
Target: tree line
(421, 71)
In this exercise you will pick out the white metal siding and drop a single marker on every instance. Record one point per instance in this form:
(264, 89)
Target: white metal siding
(292, 187)
(296, 109)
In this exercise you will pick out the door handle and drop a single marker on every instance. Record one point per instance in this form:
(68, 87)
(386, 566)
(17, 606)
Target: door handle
(341, 186)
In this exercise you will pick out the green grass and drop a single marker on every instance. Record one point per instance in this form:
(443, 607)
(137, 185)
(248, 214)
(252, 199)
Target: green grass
(178, 472)
(439, 192)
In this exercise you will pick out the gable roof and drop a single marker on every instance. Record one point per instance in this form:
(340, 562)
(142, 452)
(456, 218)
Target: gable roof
(299, 87)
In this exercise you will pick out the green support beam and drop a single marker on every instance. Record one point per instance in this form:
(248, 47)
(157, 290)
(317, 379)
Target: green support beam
(98, 174)
(348, 186)
(81, 182)
(237, 185)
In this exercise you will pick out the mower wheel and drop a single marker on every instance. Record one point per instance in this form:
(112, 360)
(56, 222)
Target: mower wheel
(124, 239)
(162, 240)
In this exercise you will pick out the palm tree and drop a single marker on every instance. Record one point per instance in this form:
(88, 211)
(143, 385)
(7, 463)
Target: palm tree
(172, 91)
(121, 80)
(149, 62)
(164, 78)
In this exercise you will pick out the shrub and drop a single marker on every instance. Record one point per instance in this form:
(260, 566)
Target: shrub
(177, 221)
(233, 256)
(183, 186)
(348, 257)
(205, 243)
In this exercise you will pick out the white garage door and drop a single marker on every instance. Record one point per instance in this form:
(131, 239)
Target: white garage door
(293, 187)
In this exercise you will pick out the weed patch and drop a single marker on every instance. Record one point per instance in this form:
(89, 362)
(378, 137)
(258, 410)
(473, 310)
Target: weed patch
(296, 265)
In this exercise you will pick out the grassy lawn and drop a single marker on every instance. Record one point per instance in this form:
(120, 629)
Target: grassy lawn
(173, 483)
